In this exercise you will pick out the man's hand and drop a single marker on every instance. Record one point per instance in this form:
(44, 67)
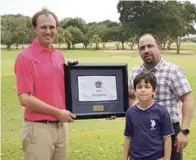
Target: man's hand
(65, 116)
(111, 118)
(72, 63)
(181, 142)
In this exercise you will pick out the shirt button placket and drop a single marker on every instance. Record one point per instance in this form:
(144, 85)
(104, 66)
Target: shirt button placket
(52, 60)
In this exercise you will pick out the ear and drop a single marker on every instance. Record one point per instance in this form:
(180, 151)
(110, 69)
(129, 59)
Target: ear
(34, 30)
(154, 93)
(159, 46)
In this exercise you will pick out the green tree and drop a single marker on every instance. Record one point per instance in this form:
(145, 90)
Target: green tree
(95, 39)
(165, 19)
(77, 35)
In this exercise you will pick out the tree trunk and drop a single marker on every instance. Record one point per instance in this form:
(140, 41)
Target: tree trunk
(73, 46)
(163, 45)
(123, 46)
(97, 46)
(103, 45)
(178, 49)
(23, 45)
(68, 46)
(178, 43)
(132, 45)
(8, 46)
(16, 45)
(85, 45)
(169, 45)
(117, 44)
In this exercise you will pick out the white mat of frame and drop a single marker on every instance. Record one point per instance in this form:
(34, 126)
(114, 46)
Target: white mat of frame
(97, 88)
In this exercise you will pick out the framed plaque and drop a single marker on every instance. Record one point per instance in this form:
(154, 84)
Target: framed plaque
(96, 90)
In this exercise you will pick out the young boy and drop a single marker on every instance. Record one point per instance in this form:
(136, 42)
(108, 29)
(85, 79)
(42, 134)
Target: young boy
(148, 127)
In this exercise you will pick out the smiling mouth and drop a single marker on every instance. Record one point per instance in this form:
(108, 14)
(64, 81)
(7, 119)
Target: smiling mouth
(142, 95)
(147, 57)
(48, 37)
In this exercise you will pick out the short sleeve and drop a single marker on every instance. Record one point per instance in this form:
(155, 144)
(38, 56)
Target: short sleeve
(166, 124)
(130, 81)
(128, 125)
(63, 59)
(24, 75)
(180, 84)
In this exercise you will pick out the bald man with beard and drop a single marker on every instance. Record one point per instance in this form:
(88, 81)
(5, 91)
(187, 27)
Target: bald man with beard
(173, 90)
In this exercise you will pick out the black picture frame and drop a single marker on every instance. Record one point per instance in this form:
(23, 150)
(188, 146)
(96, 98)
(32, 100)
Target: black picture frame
(100, 109)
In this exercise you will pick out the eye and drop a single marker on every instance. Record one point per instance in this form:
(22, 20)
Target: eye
(141, 48)
(52, 27)
(43, 27)
(148, 86)
(138, 86)
(150, 45)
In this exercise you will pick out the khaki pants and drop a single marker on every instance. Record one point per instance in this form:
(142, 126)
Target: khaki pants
(44, 141)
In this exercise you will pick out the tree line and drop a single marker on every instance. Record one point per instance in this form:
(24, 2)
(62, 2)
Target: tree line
(168, 20)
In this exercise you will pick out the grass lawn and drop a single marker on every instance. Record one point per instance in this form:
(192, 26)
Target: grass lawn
(88, 139)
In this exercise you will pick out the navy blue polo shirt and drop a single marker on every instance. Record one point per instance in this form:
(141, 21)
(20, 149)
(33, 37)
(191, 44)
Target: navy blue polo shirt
(146, 129)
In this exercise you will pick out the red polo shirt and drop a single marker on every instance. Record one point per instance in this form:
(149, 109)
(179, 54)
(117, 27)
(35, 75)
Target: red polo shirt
(40, 72)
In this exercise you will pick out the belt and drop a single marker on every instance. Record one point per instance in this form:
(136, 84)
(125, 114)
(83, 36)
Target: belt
(43, 121)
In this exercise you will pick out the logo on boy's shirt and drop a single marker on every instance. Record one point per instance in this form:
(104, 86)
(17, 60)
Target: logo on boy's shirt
(152, 125)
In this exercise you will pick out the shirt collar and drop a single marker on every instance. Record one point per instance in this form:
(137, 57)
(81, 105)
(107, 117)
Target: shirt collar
(144, 109)
(41, 48)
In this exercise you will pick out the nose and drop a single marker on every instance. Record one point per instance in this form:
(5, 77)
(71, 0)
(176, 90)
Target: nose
(146, 50)
(47, 30)
(143, 89)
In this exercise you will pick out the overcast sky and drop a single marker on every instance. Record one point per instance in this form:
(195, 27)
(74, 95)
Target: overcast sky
(89, 10)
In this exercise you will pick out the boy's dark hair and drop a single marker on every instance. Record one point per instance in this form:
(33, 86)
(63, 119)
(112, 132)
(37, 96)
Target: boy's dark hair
(44, 11)
(147, 77)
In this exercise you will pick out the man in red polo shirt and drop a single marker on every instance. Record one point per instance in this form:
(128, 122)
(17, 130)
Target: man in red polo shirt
(40, 87)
